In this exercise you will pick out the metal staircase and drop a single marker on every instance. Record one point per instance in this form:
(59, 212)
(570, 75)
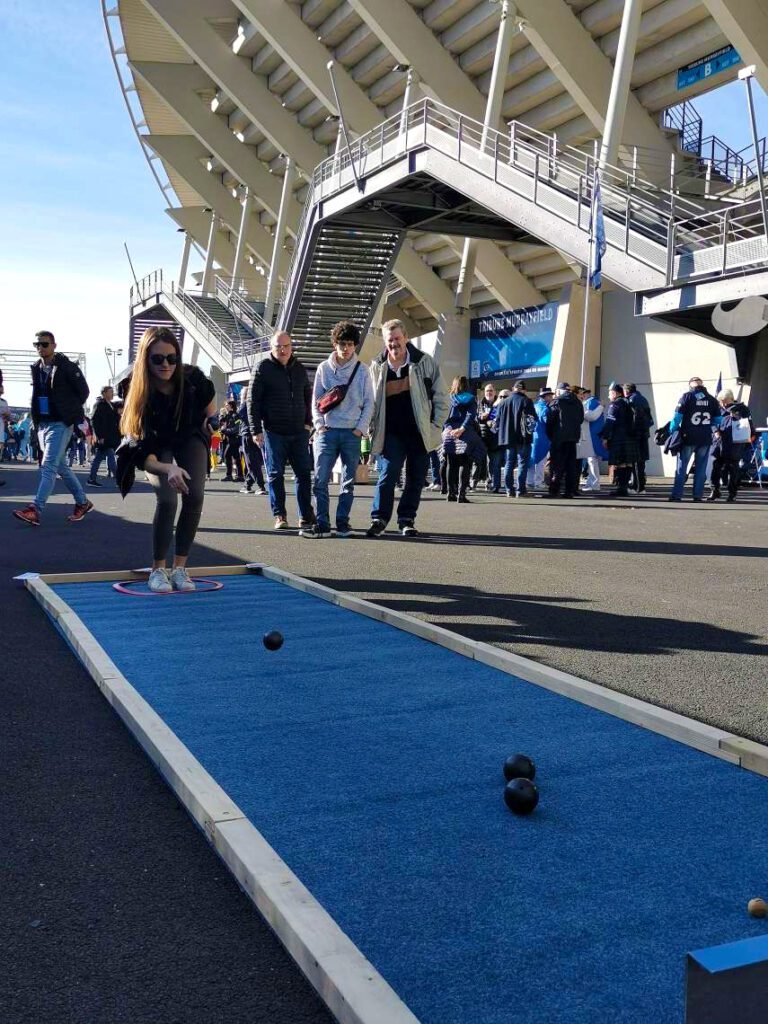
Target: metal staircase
(343, 275)
(229, 341)
(432, 168)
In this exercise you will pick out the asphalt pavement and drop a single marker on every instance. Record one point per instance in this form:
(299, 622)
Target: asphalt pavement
(113, 906)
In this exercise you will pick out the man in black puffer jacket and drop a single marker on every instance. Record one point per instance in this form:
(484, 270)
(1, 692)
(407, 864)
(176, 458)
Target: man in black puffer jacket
(563, 425)
(280, 414)
(59, 391)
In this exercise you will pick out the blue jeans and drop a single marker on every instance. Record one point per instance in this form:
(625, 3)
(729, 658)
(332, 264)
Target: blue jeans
(494, 468)
(416, 459)
(700, 455)
(434, 466)
(329, 445)
(101, 454)
(516, 455)
(54, 439)
(278, 450)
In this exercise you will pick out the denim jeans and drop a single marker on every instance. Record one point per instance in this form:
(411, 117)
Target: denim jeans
(98, 458)
(54, 439)
(700, 455)
(280, 449)
(516, 455)
(495, 459)
(397, 452)
(329, 445)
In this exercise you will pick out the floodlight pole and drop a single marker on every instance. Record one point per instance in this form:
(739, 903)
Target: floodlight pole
(746, 75)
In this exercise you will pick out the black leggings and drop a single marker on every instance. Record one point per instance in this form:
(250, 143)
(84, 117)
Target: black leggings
(193, 457)
(459, 466)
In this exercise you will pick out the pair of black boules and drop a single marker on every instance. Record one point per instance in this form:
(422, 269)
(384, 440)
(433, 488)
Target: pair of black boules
(520, 793)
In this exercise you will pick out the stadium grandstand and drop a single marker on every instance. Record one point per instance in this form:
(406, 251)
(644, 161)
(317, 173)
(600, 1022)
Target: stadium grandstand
(437, 161)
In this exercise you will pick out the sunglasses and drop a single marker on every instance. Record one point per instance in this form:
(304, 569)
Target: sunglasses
(157, 359)
(41, 344)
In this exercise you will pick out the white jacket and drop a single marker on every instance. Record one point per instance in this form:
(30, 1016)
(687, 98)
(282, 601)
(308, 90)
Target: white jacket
(585, 449)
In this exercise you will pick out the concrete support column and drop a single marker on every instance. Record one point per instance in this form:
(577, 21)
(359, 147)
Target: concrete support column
(237, 268)
(452, 346)
(184, 260)
(492, 115)
(620, 83)
(269, 301)
(207, 283)
(567, 344)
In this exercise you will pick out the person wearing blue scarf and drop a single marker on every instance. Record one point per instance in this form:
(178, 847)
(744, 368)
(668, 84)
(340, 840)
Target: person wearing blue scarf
(460, 439)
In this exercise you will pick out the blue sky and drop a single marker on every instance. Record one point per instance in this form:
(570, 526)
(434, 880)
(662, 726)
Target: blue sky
(77, 185)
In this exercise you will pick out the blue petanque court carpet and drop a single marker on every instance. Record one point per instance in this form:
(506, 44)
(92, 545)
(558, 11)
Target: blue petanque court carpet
(371, 761)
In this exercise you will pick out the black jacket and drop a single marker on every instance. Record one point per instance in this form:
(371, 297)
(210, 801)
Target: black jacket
(564, 418)
(66, 391)
(160, 432)
(484, 425)
(105, 422)
(279, 397)
(515, 420)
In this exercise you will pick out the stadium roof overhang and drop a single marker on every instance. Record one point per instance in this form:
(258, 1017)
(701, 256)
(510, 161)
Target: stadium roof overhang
(224, 88)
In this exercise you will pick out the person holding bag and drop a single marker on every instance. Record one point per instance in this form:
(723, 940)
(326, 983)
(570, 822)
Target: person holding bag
(342, 404)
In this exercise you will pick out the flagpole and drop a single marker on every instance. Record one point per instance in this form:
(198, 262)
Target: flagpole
(585, 323)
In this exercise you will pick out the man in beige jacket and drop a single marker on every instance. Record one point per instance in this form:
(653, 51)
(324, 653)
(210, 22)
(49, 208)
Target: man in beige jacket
(410, 405)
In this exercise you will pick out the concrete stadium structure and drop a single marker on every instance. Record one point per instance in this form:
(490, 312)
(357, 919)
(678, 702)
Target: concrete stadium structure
(238, 115)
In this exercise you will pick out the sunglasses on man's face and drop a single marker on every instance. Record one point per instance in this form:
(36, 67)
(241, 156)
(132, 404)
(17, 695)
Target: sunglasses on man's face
(42, 344)
(158, 358)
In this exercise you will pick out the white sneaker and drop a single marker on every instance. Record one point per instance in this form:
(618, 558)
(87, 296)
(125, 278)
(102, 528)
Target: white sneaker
(158, 582)
(180, 579)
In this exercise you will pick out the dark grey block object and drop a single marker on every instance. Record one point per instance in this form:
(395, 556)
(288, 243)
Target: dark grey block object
(728, 984)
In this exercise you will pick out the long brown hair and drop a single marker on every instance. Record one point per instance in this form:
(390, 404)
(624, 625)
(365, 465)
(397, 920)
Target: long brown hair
(458, 385)
(132, 419)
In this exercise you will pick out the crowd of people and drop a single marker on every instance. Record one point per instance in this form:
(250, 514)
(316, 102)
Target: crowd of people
(397, 413)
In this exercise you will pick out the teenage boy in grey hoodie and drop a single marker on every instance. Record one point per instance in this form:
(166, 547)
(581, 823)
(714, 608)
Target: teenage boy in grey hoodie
(338, 431)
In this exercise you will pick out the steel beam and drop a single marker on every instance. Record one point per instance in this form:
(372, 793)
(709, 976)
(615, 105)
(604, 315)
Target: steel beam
(745, 23)
(401, 30)
(186, 23)
(584, 70)
(184, 153)
(177, 85)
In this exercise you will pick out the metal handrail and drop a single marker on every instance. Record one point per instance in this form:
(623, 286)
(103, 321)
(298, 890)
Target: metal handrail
(143, 289)
(677, 224)
(228, 290)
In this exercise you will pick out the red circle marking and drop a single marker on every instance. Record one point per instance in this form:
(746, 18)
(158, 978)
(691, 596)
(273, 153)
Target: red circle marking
(125, 588)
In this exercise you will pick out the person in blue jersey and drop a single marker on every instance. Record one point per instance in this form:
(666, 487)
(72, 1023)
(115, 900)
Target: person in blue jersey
(696, 416)
(733, 442)
(540, 447)
(460, 439)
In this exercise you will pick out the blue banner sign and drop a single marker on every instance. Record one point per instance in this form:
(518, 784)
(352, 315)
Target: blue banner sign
(517, 343)
(707, 66)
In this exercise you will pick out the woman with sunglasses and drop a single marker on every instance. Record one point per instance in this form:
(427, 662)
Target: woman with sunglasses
(166, 422)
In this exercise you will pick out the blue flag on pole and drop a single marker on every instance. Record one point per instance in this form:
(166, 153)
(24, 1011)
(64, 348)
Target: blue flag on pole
(719, 386)
(596, 234)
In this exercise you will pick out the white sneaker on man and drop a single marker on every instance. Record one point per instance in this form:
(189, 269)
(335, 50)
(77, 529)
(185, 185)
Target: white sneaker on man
(158, 582)
(180, 579)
